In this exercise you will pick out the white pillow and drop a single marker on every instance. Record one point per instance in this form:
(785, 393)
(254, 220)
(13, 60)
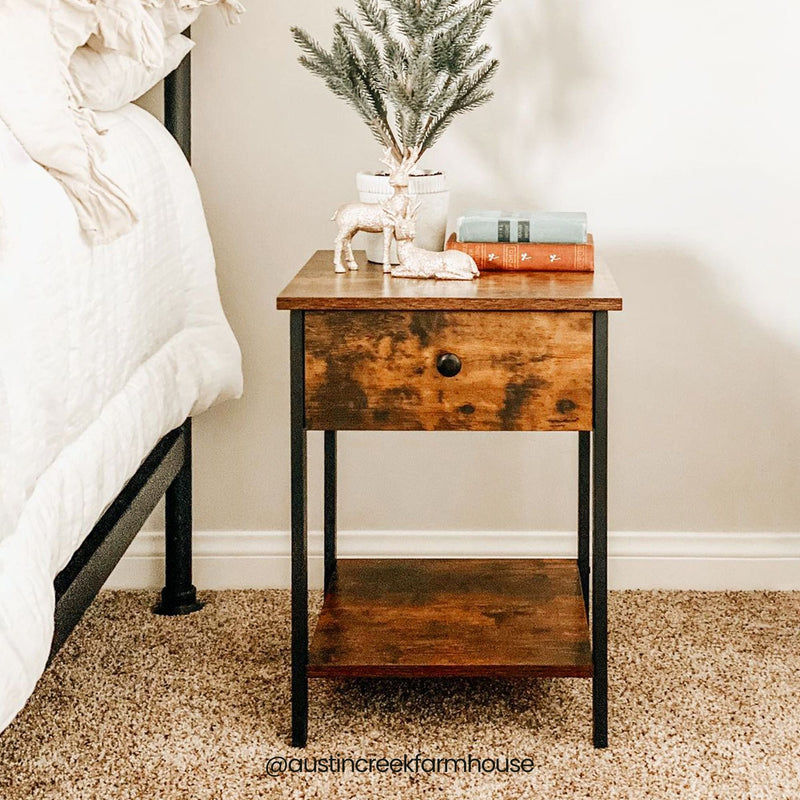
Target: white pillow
(72, 21)
(175, 16)
(37, 103)
(126, 27)
(171, 16)
(137, 28)
(106, 80)
(134, 45)
(45, 109)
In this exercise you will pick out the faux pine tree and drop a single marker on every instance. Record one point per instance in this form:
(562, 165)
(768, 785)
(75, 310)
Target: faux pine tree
(408, 67)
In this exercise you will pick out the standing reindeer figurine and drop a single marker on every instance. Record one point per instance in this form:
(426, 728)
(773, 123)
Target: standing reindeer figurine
(375, 217)
(418, 263)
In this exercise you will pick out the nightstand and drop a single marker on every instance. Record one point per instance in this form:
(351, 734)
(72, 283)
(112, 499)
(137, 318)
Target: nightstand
(507, 352)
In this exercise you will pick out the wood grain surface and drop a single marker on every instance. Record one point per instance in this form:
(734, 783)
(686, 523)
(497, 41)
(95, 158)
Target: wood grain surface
(373, 370)
(317, 287)
(452, 617)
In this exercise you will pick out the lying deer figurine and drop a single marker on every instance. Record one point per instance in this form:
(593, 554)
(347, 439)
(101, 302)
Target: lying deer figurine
(418, 263)
(373, 217)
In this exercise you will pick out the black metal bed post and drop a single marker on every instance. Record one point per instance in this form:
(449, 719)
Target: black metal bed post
(584, 512)
(179, 595)
(299, 492)
(600, 532)
(178, 104)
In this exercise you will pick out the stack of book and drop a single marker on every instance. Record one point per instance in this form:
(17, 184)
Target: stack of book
(551, 241)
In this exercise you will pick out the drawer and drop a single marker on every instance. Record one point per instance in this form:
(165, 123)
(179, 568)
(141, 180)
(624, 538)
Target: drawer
(376, 370)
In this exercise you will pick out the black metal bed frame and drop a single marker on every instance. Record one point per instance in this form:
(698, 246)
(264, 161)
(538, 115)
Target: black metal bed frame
(167, 470)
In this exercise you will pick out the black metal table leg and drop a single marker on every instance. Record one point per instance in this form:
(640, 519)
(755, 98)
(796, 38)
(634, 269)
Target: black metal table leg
(600, 532)
(330, 507)
(584, 511)
(299, 534)
(179, 596)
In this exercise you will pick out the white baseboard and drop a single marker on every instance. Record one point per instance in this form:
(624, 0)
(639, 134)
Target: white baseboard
(637, 560)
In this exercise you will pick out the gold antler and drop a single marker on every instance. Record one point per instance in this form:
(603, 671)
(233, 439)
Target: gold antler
(390, 159)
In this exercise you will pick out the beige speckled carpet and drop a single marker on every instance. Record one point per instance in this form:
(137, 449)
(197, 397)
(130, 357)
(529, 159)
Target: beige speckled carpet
(705, 703)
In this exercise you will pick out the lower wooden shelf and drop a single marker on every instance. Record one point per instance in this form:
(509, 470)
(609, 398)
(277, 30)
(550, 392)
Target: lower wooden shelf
(408, 618)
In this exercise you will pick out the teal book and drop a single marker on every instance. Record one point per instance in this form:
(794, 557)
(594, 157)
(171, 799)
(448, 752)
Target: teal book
(565, 227)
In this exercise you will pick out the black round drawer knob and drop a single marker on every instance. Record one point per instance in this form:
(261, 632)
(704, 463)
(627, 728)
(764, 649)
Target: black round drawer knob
(448, 364)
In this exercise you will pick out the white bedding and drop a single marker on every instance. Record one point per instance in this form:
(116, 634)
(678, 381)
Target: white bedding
(103, 350)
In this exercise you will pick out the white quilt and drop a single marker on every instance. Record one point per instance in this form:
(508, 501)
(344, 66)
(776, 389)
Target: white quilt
(103, 350)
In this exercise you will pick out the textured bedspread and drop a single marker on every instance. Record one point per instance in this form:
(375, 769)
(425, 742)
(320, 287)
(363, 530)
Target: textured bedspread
(102, 351)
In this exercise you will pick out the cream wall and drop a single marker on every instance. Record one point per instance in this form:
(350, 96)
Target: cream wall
(674, 126)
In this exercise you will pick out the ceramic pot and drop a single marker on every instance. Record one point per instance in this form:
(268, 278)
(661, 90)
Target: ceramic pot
(427, 188)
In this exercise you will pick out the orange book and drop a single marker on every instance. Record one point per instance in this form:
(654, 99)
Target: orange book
(528, 257)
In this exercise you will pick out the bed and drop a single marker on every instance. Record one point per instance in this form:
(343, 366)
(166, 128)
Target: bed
(105, 355)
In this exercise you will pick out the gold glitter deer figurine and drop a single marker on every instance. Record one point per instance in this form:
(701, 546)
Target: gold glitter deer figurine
(418, 263)
(375, 217)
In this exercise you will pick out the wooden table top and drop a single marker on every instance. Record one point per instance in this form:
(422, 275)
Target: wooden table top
(316, 287)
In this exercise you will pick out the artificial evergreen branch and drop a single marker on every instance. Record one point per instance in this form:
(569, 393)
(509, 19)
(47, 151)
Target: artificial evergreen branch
(407, 67)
